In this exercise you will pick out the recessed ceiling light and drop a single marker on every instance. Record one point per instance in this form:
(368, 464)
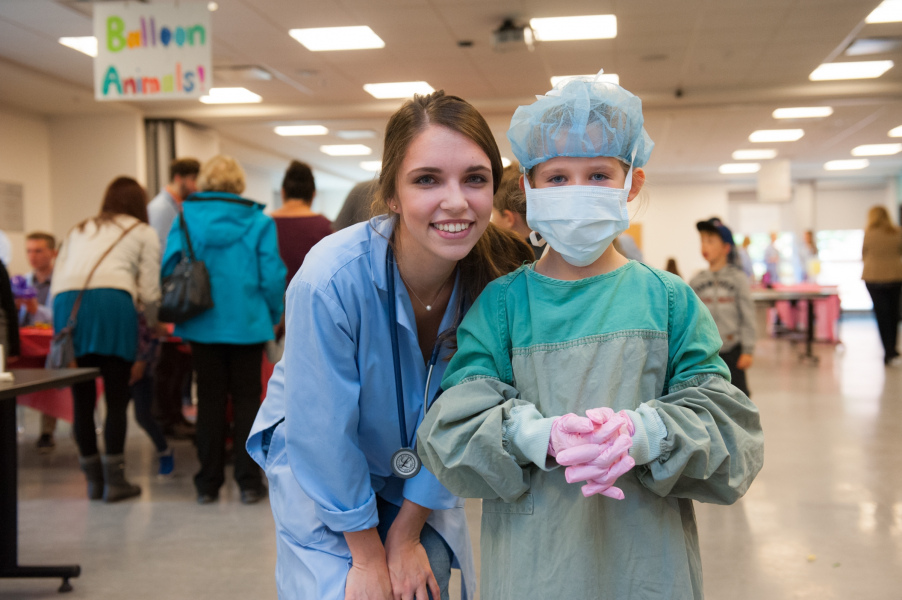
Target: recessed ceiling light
(505, 161)
(754, 154)
(212, 6)
(877, 150)
(734, 168)
(846, 165)
(374, 166)
(607, 77)
(401, 89)
(865, 46)
(866, 69)
(896, 132)
(776, 135)
(803, 112)
(233, 95)
(889, 11)
(84, 44)
(356, 134)
(321, 39)
(588, 27)
(346, 150)
(290, 130)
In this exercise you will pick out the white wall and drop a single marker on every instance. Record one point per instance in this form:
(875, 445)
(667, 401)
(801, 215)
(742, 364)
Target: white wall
(86, 154)
(847, 208)
(25, 159)
(668, 215)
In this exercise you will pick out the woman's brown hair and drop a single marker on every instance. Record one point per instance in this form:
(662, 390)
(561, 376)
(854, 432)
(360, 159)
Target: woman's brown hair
(124, 196)
(878, 218)
(497, 251)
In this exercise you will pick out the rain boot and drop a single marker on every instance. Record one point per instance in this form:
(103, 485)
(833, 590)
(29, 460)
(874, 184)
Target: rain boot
(116, 487)
(94, 474)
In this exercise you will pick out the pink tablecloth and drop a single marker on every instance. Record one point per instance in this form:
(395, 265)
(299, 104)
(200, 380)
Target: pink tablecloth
(35, 344)
(794, 316)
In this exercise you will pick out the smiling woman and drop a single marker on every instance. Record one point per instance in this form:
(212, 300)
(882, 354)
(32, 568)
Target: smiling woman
(370, 319)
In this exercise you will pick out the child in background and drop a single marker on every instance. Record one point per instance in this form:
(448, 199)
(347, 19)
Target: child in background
(509, 208)
(724, 288)
(141, 388)
(584, 330)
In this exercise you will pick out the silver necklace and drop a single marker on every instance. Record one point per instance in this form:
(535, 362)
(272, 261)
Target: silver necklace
(428, 307)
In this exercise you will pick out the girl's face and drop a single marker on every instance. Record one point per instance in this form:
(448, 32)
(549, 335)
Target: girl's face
(444, 194)
(603, 171)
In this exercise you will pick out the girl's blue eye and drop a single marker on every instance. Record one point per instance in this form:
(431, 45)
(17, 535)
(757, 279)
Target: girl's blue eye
(425, 180)
(557, 179)
(599, 177)
(476, 179)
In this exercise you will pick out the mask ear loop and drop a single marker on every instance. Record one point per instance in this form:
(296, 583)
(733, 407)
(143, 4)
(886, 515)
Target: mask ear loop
(534, 237)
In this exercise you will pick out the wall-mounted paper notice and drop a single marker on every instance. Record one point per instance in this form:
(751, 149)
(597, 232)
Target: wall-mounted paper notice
(152, 51)
(12, 207)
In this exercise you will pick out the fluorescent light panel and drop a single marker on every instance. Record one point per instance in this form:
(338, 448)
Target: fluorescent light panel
(374, 166)
(895, 132)
(233, 95)
(803, 112)
(847, 165)
(754, 154)
(356, 134)
(776, 135)
(324, 39)
(292, 130)
(588, 27)
(607, 77)
(346, 150)
(867, 69)
(889, 11)
(84, 44)
(505, 162)
(877, 150)
(736, 168)
(401, 89)
(865, 46)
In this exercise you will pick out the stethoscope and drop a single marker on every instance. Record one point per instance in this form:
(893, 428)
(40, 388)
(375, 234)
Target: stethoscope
(405, 463)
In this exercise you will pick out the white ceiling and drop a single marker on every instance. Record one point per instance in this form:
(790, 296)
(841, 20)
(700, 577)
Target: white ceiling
(733, 61)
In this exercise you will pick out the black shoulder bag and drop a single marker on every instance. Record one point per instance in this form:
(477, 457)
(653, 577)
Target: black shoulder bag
(186, 293)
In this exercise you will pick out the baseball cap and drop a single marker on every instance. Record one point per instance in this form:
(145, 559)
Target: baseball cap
(716, 226)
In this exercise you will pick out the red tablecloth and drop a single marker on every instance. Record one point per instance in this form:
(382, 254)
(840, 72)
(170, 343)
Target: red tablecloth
(35, 345)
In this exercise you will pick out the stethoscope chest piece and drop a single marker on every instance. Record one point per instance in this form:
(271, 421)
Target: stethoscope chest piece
(405, 463)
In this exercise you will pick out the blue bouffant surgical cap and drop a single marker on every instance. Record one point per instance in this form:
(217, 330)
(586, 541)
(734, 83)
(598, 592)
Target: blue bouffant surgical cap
(581, 117)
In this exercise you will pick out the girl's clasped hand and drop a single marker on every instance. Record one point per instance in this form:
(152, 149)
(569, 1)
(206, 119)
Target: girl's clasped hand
(594, 448)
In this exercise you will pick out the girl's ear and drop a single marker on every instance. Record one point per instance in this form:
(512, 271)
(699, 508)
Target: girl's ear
(638, 182)
(522, 187)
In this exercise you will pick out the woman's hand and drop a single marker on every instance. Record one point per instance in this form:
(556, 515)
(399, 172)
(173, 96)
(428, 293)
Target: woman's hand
(138, 369)
(368, 582)
(408, 564)
(368, 578)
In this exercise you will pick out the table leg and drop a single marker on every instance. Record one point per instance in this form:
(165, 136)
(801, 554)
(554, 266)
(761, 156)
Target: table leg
(9, 518)
(809, 335)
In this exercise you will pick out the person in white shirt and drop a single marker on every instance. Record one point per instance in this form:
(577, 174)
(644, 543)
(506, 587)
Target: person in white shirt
(126, 252)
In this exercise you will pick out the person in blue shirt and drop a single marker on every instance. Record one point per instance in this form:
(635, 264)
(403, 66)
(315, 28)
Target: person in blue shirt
(347, 526)
(239, 247)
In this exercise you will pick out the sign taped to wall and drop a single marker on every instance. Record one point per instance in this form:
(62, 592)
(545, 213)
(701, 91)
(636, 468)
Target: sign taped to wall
(152, 51)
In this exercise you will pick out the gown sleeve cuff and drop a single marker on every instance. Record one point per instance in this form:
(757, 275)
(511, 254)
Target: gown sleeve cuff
(356, 519)
(649, 436)
(525, 436)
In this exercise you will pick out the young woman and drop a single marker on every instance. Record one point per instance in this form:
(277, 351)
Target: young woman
(881, 252)
(106, 331)
(368, 324)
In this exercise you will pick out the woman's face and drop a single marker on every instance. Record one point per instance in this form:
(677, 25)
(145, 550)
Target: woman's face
(443, 194)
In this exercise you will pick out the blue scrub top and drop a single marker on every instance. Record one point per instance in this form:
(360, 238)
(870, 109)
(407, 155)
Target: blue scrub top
(334, 386)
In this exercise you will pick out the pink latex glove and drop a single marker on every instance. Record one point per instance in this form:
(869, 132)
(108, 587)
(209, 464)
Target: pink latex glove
(599, 464)
(568, 431)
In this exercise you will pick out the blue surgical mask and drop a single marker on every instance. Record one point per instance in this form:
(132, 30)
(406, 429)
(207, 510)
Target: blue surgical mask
(578, 221)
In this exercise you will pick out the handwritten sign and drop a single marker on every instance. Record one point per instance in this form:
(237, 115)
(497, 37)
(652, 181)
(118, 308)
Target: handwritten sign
(152, 51)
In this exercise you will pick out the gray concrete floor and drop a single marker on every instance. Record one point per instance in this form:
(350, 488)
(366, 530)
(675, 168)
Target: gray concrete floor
(823, 520)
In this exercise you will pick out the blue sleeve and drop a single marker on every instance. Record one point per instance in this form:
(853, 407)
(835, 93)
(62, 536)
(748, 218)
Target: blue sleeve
(322, 392)
(272, 271)
(173, 245)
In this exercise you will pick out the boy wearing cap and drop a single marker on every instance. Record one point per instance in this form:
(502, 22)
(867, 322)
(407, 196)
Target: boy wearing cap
(724, 289)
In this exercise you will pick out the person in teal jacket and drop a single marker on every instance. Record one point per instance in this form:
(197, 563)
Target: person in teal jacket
(586, 331)
(238, 245)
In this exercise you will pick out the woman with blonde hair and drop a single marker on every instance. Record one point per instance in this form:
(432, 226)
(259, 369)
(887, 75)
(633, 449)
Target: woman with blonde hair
(882, 274)
(237, 242)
